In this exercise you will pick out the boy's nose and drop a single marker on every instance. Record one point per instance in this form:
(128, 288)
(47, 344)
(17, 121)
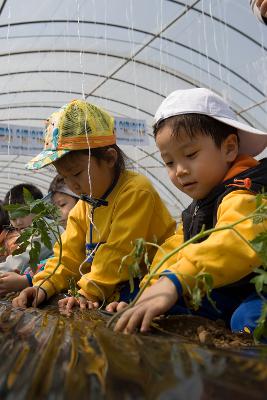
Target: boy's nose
(181, 171)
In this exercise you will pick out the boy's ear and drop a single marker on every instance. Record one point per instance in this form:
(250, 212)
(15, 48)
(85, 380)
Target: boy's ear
(230, 146)
(112, 157)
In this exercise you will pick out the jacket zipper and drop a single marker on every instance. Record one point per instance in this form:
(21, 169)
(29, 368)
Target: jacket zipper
(193, 216)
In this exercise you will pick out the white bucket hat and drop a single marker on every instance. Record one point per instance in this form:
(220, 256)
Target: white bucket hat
(63, 189)
(204, 101)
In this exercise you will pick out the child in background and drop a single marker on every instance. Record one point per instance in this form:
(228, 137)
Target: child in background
(209, 156)
(117, 207)
(15, 271)
(62, 197)
(7, 237)
(15, 196)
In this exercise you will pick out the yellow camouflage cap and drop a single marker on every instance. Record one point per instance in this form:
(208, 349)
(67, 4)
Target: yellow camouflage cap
(77, 125)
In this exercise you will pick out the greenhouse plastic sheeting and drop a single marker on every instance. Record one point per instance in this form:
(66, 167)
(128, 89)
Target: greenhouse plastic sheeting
(126, 56)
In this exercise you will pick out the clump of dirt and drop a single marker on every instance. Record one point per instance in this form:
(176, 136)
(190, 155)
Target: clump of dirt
(203, 331)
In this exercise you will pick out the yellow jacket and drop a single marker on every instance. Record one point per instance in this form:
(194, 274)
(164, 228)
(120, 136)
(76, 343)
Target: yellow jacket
(224, 254)
(134, 210)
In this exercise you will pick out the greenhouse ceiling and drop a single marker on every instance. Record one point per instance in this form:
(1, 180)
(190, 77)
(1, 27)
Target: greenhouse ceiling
(126, 56)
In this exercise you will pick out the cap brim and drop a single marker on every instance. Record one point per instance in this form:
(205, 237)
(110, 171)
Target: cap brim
(45, 158)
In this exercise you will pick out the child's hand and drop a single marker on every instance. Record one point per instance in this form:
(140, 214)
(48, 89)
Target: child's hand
(155, 300)
(12, 282)
(262, 5)
(66, 305)
(27, 297)
(116, 306)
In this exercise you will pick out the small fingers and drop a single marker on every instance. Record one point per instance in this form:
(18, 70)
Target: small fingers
(83, 303)
(130, 320)
(147, 319)
(20, 301)
(91, 304)
(116, 306)
(135, 321)
(62, 302)
(67, 303)
(72, 301)
(112, 307)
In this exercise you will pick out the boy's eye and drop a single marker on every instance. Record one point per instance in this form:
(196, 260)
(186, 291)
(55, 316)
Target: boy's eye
(169, 163)
(78, 173)
(191, 155)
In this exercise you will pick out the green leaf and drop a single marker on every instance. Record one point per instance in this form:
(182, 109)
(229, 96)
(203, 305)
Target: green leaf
(38, 208)
(42, 228)
(139, 248)
(258, 200)
(260, 280)
(261, 329)
(34, 254)
(25, 235)
(131, 282)
(73, 289)
(28, 198)
(12, 207)
(147, 261)
(17, 210)
(22, 247)
(259, 244)
(196, 298)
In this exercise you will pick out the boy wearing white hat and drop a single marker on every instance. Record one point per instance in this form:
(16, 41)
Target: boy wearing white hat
(209, 156)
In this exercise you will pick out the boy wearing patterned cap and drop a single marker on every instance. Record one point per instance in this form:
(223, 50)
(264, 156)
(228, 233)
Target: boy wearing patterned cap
(117, 206)
(208, 154)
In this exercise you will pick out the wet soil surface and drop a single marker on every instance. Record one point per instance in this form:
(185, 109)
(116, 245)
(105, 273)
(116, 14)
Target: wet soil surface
(44, 355)
(203, 331)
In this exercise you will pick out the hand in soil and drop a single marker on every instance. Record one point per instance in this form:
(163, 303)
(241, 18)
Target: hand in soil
(154, 301)
(67, 304)
(28, 297)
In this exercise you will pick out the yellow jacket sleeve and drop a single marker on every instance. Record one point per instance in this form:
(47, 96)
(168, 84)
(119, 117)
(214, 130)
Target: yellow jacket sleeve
(224, 254)
(136, 215)
(72, 255)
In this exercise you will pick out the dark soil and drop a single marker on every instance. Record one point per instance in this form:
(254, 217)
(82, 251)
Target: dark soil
(203, 331)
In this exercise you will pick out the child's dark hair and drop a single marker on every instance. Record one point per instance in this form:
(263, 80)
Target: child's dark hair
(4, 218)
(101, 153)
(193, 124)
(15, 194)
